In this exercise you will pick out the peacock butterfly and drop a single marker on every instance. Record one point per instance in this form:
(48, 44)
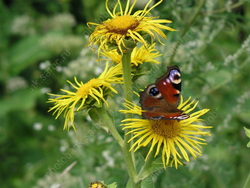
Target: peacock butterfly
(160, 100)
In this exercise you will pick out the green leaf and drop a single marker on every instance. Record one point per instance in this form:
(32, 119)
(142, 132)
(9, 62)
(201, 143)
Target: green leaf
(24, 53)
(248, 144)
(101, 117)
(129, 184)
(155, 166)
(140, 161)
(244, 116)
(112, 185)
(247, 131)
(152, 172)
(20, 100)
(147, 183)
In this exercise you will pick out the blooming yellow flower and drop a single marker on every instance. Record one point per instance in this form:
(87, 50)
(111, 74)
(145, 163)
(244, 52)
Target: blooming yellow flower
(94, 90)
(123, 24)
(138, 56)
(97, 185)
(174, 139)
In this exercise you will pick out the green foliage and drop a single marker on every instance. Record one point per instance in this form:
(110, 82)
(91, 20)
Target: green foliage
(247, 131)
(42, 46)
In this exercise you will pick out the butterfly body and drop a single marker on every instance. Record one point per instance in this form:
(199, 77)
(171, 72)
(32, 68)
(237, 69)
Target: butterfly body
(160, 100)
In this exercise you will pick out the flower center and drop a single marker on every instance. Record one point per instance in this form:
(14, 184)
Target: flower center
(121, 24)
(166, 128)
(85, 89)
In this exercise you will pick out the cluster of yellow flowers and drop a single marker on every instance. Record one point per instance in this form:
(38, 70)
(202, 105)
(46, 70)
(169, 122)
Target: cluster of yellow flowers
(175, 140)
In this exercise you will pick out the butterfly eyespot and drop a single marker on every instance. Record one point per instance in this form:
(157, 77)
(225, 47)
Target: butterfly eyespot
(154, 92)
(175, 76)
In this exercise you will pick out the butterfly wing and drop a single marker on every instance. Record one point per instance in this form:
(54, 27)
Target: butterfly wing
(169, 85)
(152, 103)
(160, 100)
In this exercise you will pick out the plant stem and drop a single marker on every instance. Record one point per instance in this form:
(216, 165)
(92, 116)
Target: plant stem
(115, 133)
(102, 117)
(236, 5)
(192, 20)
(128, 94)
(247, 183)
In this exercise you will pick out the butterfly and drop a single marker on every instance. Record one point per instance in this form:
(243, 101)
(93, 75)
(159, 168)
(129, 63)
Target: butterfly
(160, 100)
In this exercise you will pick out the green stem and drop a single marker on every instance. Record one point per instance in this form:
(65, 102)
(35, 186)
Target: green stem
(102, 117)
(225, 9)
(184, 32)
(126, 66)
(115, 133)
(247, 183)
(128, 94)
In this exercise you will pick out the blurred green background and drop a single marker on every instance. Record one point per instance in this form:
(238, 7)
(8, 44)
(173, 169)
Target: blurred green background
(43, 44)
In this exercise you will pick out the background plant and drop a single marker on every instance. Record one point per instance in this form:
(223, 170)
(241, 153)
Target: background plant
(42, 46)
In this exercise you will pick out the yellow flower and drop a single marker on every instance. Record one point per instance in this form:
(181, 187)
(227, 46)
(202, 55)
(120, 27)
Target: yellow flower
(123, 24)
(176, 140)
(97, 185)
(138, 56)
(88, 93)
